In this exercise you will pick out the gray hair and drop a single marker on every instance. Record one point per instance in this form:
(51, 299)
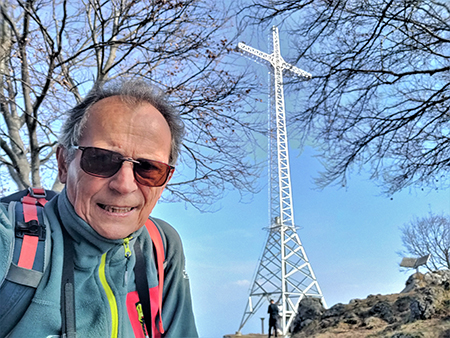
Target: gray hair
(132, 93)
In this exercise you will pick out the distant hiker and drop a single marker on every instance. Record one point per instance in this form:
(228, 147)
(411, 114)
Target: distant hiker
(273, 317)
(111, 270)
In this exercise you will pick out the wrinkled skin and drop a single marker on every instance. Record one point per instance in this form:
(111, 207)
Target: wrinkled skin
(117, 206)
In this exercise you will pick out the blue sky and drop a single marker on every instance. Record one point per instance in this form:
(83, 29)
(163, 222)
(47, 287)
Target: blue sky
(351, 237)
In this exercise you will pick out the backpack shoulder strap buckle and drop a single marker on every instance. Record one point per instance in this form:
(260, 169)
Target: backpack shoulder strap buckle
(30, 228)
(37, 192)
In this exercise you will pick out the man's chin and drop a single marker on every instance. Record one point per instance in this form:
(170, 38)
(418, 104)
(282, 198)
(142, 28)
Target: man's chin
(113, 231)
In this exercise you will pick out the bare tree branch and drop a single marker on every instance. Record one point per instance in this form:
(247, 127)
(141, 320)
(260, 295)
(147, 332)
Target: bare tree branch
(380, 94)
(428, 235)
(64, 48)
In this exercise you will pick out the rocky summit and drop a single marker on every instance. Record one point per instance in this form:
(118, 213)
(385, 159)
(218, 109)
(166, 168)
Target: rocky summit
(421, 310)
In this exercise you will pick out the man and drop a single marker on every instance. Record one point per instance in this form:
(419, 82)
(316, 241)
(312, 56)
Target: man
(273, 317)
(115, 158)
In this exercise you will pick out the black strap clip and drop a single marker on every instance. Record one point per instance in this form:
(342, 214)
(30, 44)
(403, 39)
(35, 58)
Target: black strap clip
(36, 192)
(31, 228)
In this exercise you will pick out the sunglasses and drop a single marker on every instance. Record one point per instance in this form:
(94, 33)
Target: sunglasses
(106, 163)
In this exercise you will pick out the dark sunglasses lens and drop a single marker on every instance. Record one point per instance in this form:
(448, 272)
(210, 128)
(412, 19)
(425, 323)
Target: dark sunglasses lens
(100, 162)
(105, 163)
(151, 173)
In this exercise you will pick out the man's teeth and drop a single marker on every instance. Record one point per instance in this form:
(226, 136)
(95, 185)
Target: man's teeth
(110, 208)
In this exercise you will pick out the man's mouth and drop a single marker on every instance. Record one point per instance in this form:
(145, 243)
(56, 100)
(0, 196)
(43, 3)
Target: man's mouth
(115, 209)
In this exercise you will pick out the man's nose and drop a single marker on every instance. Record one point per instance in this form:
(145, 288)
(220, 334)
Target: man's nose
(123, 181)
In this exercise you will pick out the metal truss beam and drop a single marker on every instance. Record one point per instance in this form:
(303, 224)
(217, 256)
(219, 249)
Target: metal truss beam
(284, 272)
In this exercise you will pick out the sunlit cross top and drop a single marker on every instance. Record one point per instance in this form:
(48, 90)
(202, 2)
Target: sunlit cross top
(280, 186)
(275, 59)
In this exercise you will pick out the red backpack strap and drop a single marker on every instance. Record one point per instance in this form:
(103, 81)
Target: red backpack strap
(32, 235)
(155, 235)
(29, 254)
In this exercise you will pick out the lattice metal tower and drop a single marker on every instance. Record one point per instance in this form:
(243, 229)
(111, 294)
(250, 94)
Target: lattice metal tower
(284, 272)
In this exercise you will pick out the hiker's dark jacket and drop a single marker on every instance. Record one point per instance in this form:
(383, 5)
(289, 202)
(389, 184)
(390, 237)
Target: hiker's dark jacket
(105, 290)
(273, 311)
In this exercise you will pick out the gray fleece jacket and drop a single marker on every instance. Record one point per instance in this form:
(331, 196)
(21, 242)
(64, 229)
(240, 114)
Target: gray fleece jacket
(105, 289)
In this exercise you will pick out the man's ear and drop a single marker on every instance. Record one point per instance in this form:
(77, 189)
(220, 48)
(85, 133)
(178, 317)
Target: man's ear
(61, 157)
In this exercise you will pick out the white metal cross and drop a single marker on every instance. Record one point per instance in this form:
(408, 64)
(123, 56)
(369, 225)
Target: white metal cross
(284, 272)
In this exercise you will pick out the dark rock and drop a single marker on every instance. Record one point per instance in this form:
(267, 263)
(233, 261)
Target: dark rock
(407, 335)
(417, 309)
(334, 311)
(309, 309)
(352, 319)
(428, 297)
(445, 334)
(373, 299)
(355, 301)
(383, 310)
(422, 307)
(412, 282)
(402, 304)
(306, 322)
(446, 285)
(364, 314)
(436, 278)
(328, 323)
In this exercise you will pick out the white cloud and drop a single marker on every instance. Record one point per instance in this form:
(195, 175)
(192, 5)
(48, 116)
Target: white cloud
(242, 282)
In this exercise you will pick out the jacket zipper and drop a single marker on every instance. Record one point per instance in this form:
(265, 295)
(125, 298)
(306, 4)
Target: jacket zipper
(126, 246)
(127, 252)
(141, 318)
(111, 298)
(109, 293)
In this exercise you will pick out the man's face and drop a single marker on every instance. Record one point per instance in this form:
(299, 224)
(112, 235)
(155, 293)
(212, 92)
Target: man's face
(117, 206)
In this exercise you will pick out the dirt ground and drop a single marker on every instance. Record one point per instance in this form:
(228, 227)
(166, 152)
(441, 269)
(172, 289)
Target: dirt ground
(249, 335)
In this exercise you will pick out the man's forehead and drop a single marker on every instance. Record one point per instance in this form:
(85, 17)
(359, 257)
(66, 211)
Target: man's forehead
(127, 101)
(118, 106)
(113, 123)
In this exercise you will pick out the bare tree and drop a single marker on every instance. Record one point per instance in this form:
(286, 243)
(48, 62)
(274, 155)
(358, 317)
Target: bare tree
(428, 235)
(52, 52)
(380, 93)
